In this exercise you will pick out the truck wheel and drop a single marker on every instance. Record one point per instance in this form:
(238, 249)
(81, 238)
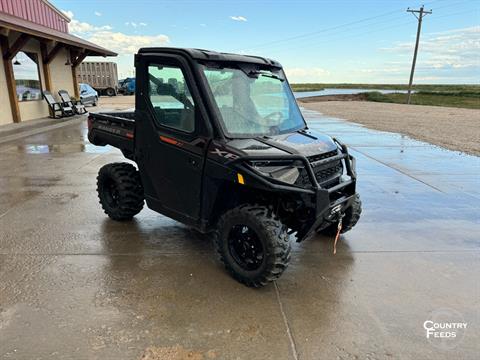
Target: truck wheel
(253, 244)
(110, 92)
(120, 191)
(352, 215)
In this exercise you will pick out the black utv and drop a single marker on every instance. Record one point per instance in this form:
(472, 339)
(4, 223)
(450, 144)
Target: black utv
(221, 145)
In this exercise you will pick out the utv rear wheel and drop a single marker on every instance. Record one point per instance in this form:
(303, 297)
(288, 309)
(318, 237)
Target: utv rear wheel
(352, 215)
(120, 191)
(253, 244)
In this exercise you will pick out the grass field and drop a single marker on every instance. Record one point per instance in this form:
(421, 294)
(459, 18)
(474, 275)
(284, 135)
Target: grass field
(462, 96)
(440, 88)
(469, 100)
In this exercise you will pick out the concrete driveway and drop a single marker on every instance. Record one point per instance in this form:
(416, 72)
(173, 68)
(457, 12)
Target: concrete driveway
(74, 284)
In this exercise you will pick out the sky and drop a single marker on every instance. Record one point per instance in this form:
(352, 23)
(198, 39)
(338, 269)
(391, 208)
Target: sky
(350, 41)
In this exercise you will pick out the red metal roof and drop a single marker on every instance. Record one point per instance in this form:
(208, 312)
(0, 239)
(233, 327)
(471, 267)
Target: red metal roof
(25, 26)
(39, 12)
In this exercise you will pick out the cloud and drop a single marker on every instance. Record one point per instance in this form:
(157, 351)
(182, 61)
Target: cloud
(80, 27)
(134, 24)
(76, 26)
(311, 74)
(238, 18)
(452, 49)
(386, 70)
(119, 42)
(68, 13)
(97, 13)
(126, 44)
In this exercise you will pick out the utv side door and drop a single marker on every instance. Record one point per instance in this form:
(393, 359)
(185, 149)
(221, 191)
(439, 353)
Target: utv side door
(171, 136)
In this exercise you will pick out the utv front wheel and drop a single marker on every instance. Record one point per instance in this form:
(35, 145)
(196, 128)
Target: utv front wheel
(253, 245)
(120, 191)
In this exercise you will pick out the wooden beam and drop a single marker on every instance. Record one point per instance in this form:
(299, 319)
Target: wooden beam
(51, 55)
(79, 59)
(4, 31)
(9, 53)
(46, 67)
(11, 86)
(4, 44)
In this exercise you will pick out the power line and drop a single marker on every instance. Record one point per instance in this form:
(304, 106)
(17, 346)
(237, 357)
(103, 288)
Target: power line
(278, 42)
(395, 25)
(321, 31)
(360, 34)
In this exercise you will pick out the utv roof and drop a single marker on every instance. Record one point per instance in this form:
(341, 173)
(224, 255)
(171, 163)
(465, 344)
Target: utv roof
(201, 54)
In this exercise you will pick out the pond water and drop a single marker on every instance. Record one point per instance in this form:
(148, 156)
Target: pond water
(327, 91)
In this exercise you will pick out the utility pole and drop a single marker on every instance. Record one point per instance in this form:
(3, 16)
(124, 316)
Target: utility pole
(421, 13)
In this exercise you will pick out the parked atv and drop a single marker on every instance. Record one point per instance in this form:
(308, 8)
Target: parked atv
(221, 145)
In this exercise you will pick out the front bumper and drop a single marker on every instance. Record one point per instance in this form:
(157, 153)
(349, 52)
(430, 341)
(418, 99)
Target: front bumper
(326, 211)
(329, 203)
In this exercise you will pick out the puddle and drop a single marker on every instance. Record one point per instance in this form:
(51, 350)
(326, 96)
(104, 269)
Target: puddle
(8, 184)
(61, 149)
(63, 198)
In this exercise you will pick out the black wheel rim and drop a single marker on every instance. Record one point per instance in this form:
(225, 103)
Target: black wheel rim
(245, 247)
(111, 193)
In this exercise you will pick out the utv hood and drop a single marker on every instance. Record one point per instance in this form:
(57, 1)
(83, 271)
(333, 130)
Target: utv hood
(306, 143)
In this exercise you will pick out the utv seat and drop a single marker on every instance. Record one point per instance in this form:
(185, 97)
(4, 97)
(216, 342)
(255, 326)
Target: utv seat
(181, 118)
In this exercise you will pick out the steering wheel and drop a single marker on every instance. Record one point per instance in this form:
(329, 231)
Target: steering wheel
(246, 118)
(274, 130)
(274, 116)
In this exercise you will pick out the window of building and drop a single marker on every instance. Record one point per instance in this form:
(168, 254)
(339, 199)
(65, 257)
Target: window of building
(27, 76)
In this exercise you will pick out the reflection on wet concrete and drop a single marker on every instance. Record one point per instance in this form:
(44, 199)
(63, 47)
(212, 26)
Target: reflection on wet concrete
(75, 284)
(61, 149)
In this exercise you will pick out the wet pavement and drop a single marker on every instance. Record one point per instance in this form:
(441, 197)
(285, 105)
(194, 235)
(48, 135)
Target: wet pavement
(74, 284)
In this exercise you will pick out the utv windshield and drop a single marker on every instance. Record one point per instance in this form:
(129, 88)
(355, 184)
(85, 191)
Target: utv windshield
(253, 103)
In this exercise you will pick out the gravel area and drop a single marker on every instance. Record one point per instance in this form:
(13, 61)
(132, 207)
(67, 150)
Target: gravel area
(453, 128)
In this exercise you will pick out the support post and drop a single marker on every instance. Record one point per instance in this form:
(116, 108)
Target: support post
(10, 79)
(46, 67)
(75, 83)
(76, 59)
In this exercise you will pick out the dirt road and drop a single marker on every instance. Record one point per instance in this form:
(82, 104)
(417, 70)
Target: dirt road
(453, 128)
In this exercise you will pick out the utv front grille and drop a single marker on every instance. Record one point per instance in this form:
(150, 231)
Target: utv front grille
(327, 174)
(322, 156)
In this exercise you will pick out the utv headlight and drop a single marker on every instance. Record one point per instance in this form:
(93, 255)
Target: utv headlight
(284, 173)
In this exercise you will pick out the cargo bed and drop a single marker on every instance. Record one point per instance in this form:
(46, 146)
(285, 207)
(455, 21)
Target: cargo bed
(113, 128)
